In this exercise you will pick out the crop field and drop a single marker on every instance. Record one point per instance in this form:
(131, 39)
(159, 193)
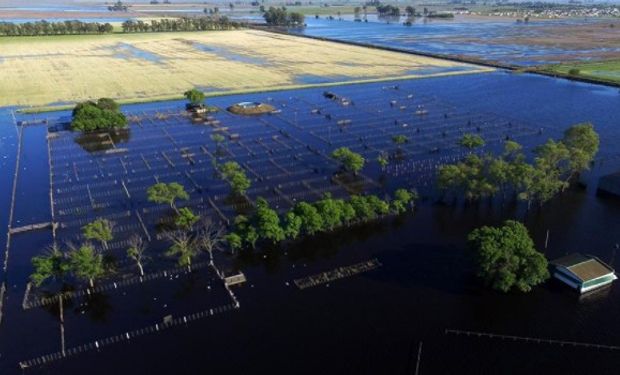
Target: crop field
(55, 70)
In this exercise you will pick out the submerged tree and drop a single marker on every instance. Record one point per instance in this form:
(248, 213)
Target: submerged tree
(52, 265)
(136, 250)
(104, 114)
(184, 247)
(87, 264)
(167, 193)
(267, 222)
(507, 258)
(194, 96)
(186, 218)
(210, 235)
(235, 176)
(351, 161)
(471, 141)
(99, 230)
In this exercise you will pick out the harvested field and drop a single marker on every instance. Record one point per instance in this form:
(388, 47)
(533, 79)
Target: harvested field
(50, 70)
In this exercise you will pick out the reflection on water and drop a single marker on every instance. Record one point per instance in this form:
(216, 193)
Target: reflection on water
(103, 141)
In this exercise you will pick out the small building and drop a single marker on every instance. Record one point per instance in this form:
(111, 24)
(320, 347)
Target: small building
(583, 272)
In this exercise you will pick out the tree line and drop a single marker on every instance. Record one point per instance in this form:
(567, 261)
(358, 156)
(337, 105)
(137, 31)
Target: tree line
(327, 214)
(180, 24)
(281, 17)
(554, 166)
(73, 27)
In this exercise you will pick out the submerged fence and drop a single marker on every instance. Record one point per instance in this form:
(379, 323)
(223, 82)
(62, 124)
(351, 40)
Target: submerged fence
(338, 273)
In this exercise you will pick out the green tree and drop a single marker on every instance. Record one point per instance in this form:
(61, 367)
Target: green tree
(378, 205)
(234, 241)
(363, 210)
(267, 222)
(186, 219)
(582, 143)
(87, 264)
(312, 222)
(235, 176)
(403, 199)
(104, 114)
(507, 258)
(330, 212)
(246, 231)
(99, 230)
(350, 160)
(292, 225)
(471, 141)
(52, 265)
(167, 193)
(194, 96)
(383, 160)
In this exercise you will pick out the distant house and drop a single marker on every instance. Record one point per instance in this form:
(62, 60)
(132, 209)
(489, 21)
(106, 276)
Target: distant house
(583, 272)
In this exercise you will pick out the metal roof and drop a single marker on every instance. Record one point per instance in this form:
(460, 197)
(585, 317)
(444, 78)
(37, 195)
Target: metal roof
(583, 267)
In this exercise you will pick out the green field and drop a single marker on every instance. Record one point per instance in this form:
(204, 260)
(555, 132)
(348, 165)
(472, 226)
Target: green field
(604, 71)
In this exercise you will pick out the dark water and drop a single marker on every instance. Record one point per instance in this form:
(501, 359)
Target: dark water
(371, 323)
(487, 40)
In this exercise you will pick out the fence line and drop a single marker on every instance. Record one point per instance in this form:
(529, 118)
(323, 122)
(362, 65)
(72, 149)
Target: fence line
(338, 273)
(168, 322)
(530, 339)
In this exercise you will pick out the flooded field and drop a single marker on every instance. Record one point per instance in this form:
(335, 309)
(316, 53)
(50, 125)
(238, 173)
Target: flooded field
(372, 322)
(504, 41)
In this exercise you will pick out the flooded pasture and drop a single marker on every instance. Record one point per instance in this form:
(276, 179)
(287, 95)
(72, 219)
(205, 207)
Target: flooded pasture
(372, 322)
(493, 40)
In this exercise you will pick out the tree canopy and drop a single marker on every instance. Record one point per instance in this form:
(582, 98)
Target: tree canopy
(53, 265)
(471, 141)
(281, 17)
(235, 176)
(104, 114)
(167, 193)
(507, 258)
(351, 161)
(194, 96)
(99, 230)
(86, 263)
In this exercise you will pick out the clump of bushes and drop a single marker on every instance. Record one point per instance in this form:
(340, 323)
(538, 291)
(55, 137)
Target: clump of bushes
(105, 114)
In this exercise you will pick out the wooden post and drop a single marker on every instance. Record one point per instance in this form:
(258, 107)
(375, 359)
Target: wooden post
(417, 364)
(547, 239)
(62, 325)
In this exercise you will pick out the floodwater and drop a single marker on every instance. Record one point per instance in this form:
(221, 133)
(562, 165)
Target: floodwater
(490, 40)
(371, 323)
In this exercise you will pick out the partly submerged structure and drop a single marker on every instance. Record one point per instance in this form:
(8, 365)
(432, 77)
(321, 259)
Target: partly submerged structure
(251, 108)
(583, 272)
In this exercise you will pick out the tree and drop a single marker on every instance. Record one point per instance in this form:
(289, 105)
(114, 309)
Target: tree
(350, 160)
(184, 247)
(167, 193)
(52, 265)
(210, 236)
(311, 220)
(400, 139)
(87, 264)
(582, 143)
(507, 258)
(267, 222)
(382, 160)
(186, 218)
(280, 17)
(330, 212)
(410, 11)
(136, 250)
(471, 141)
(105, 114)
(292, 225)
(234, 241)
(99, 230)
(194, 96)
(363, 210)
(378, 205)
(403, 198)
(235, 176)
(246, 231)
